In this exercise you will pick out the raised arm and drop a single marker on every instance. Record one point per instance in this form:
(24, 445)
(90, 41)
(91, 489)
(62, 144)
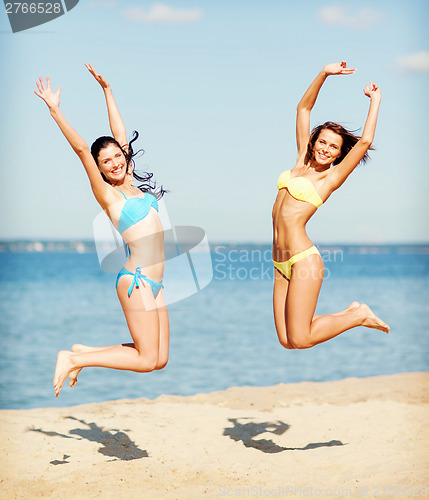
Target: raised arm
(116, 124)
(309, 99)
(80, 147)
(340, 172)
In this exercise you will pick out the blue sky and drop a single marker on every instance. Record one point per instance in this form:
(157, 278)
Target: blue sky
(212, 87)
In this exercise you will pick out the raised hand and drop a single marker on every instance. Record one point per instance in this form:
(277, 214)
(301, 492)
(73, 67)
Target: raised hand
(372, 90)
(338, 69)
(104, 84)
(45, 92)
(116, 124)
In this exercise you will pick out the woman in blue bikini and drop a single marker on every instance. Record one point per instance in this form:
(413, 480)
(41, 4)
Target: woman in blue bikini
(134, 212)
(326, 157)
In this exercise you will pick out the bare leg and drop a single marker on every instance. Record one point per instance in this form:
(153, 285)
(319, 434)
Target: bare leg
(361, 316)
(303, 292)
(281, 285)
(352, 306)
(118, 357)
(149, 350)
(280, 291)
(163, 347)
(85, 348)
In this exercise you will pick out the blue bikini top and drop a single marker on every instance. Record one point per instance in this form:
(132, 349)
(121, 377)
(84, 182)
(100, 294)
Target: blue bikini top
(135, 209)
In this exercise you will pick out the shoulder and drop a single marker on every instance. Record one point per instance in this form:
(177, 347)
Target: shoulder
(110, 196)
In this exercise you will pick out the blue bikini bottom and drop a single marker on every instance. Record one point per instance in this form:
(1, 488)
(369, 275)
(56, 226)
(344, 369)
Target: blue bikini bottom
(139, 276)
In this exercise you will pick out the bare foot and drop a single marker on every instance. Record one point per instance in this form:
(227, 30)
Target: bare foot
(63, 368)
(73, 374)
(73, 377)
(370, 320)
(352, 306)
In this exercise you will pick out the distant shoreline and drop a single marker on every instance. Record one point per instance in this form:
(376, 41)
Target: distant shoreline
(88, 246)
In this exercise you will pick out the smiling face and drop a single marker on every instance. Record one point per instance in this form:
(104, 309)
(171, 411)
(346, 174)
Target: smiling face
(327, 147)
(112, 163)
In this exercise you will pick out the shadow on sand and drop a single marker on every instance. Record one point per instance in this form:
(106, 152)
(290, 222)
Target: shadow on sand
(246, 432)
(115, 443)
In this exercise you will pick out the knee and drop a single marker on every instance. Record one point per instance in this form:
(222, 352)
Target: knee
(286, 343)
(147, 364)
(302, 344)
(300, 340)
(283, 336)
(162, 363)
(77, 347)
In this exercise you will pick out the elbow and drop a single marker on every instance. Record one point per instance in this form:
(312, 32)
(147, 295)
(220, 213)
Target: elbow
(366, 141)
(82, 149)
(302, 107)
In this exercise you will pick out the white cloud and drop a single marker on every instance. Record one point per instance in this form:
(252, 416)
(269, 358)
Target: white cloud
(338, 15)
(160, 13)
(415, 63)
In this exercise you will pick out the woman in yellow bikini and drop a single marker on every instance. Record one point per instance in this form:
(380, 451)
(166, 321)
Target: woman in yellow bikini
(326, 157)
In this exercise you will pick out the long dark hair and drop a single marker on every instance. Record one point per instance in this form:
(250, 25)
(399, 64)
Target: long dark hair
(147, 185)
(349, 140)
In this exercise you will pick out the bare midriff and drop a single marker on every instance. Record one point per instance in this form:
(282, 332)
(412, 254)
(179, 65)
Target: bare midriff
(290, 217)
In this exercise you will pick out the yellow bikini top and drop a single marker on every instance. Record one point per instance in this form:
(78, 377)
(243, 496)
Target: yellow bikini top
(300, 188)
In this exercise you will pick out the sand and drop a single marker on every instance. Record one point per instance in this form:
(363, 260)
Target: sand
(352, 438)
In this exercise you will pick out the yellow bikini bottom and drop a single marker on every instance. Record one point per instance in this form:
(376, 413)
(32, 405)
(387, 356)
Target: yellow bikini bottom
(286, 267)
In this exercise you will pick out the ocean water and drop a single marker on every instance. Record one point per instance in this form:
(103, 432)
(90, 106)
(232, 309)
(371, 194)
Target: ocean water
(222, 336)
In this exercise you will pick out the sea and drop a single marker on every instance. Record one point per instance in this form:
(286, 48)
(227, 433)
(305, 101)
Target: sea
(55, 294)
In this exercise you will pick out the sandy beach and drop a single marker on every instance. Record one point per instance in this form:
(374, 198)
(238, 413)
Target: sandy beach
(351, 438)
